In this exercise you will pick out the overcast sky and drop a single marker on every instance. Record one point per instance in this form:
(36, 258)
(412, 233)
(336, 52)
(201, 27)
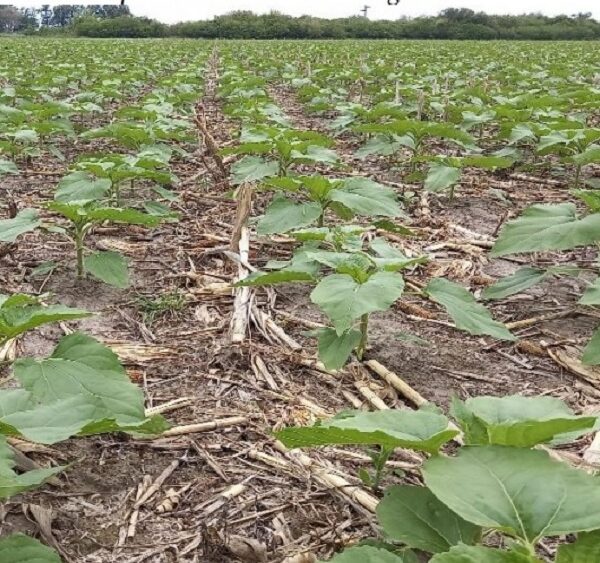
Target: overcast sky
(177, 10)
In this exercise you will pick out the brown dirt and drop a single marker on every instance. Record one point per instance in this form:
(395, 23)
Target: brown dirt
(286, 512)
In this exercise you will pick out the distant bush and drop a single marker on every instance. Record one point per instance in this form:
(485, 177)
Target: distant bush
(122, 26)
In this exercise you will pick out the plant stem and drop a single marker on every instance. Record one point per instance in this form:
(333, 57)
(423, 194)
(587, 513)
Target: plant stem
(364, 338)
(78, 238)
(577, 175)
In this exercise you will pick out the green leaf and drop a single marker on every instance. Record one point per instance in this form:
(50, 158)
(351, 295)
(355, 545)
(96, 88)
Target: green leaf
(547, 227)
(522, 279)
(110, 267)
(27, 220)
(517, 421)
(591, 155)
(417, 430)
(128, 216)
(272, 278)
(592, 294)
(368, 554)
(253, 169)
(469, 554)
(591, 198)
(416, 518)
(43, 269)
(284, 215)
(8, 167)
(81, 388)
(12, 483)
(519, 491)
(487, 162)
(21, 313)
(334, 349)
(591, 353)
(315, 153)
(344, 300)
(465, 311)
(81, 187)
(585, 550)
(20, 548)
(441, 177)
(365, 197)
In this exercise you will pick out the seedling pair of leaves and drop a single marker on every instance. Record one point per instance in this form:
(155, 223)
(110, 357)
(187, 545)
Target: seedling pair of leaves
(98, 177)
(409, 134)
(134, 135)
(579, 147)
(445, 172)
(365, 282)
(551, 227)
(109, 267)
(501, 484)
(345, 198)
(285, 147)
(20, 313)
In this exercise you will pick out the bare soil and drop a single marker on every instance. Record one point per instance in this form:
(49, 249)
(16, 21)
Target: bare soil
(279, 510)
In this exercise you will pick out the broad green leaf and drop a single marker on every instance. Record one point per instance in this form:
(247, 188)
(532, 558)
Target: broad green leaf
(547, 227)
(522, 279)
(519, 491)
(365, 197)
(417, 430)
(253, 169)
(43, 269)
(128, 216)
(110, 267)
(334, 349)
(27, 220)
(471, 554)
(368, 554)
(284, 215)
(585, 550)
(315, 153)
(81, 187)
(382, 145)
(592, 294)
(591, 353)
(20, 548)
(591, 155)
(344, 300)
(12, 483)
(517, 421)
(441, 177)
(8, 167)
(272, 278)
(415, 517)
(20, 315)
(81, 388)
(591, 198)
(465, 311)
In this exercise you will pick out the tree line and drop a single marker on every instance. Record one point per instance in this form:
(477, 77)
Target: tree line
(116, 21)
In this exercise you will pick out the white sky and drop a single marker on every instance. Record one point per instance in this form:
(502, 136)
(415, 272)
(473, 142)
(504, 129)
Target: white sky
(180, 10)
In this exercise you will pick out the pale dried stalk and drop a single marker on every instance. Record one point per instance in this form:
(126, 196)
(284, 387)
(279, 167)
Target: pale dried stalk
(241, 305)
(371, 397)
(223, 498)
(169, 406)
(592, 453)
(204, 426)
(329, 480)
(400, 385)
(157, 484)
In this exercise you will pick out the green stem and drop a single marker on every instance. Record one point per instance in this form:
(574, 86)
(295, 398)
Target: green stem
(364, 336)
(78, 238)
(577, 175)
